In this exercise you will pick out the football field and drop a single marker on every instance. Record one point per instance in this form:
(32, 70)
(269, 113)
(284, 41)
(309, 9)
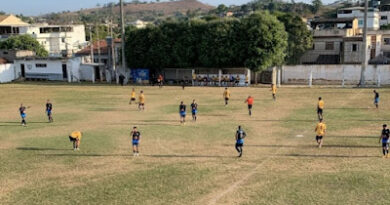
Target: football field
(194, 163)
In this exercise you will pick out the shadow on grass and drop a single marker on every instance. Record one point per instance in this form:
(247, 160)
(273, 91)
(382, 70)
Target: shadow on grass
(188, 156)
(351, 108)
(40, 149)
(328, 156)
(358, 136)
(27, 122)
(75, 154)
(313, 146)
(147, 124)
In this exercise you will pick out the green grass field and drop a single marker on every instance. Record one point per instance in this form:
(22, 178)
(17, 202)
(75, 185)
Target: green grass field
(195, 163)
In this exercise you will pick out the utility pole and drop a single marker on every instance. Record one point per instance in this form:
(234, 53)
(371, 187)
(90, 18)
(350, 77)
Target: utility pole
(91, 42)
(364, 50)
(123, 36)
(99, 52)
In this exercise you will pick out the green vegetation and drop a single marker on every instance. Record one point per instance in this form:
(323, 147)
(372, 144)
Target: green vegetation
(257, 41)
(24, 42)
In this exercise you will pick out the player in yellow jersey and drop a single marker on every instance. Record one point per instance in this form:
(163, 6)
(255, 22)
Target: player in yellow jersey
(132, 99)
(141, 103)
(320, 132)
(273, 89)
(75, 137)
(320, 108)
(226, 96)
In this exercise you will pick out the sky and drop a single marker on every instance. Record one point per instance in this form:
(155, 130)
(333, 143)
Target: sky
(37, 7)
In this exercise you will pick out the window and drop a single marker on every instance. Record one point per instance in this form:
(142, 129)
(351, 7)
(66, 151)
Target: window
(5, 52)
(360, 22)
(63, 40)
(383, 17)
(329, 46)
(387, 41)
(354, 47)
(41, 65)
(15, 30)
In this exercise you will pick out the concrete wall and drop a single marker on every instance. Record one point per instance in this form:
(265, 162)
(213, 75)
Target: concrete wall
(87, 72)
(7, 73)
(334, 74)
(53, 69)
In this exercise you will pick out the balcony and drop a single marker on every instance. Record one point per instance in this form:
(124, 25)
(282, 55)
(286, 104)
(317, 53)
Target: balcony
(336, 32)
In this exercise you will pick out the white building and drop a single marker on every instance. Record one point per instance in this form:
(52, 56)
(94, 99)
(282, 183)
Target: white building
(140, 23)
(60, 69)
(373, 16)
(63, 40)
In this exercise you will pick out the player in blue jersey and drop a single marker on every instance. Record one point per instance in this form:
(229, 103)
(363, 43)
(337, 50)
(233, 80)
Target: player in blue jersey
(49, 108)
(240, 135)
(194, 110)
(385, 141)
(136, 137)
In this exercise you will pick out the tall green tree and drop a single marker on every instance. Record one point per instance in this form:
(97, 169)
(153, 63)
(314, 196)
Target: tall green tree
(316, 4)
(300, 39)
(24, 42)
(257, 42)
(264, 42)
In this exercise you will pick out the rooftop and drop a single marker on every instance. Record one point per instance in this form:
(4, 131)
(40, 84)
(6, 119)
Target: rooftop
(103, 47)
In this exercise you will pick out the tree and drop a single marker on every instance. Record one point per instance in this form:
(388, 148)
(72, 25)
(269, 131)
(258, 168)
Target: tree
(264, 41)
(300, 38)
(257, 42)
(316, 4)
(24, 42)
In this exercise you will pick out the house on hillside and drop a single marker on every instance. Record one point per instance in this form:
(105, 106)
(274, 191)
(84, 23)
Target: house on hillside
(340, 41)
(373, 16)
(9, 25)
(140, 24)
(58, 40)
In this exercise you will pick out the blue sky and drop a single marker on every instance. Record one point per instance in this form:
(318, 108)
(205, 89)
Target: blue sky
(36, 7)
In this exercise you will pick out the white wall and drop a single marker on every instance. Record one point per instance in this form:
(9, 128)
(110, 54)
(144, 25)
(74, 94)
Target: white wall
(334, 74)
(87, 72)
(56, 42)
(7, 73)
(53, 69)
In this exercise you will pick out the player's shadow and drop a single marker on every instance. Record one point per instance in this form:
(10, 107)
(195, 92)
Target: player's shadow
(187, 156)
(128, 155)
(350, 108)
(75, 154)
(11, 125)
(358, 136)
(40, 149)
(313, 146)
(28, 122)
(147, 124)
(327, 156)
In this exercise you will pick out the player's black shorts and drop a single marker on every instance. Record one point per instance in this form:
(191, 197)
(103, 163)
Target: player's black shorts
(239, 145)
(133, 99)
(142, 104)
(249, 106)
(318, 137)
(385, 144)
(319, 111)
(72, 139)
(226, 99)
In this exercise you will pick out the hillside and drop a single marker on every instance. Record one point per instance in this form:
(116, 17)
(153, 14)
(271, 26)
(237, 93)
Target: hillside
(133, 11)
